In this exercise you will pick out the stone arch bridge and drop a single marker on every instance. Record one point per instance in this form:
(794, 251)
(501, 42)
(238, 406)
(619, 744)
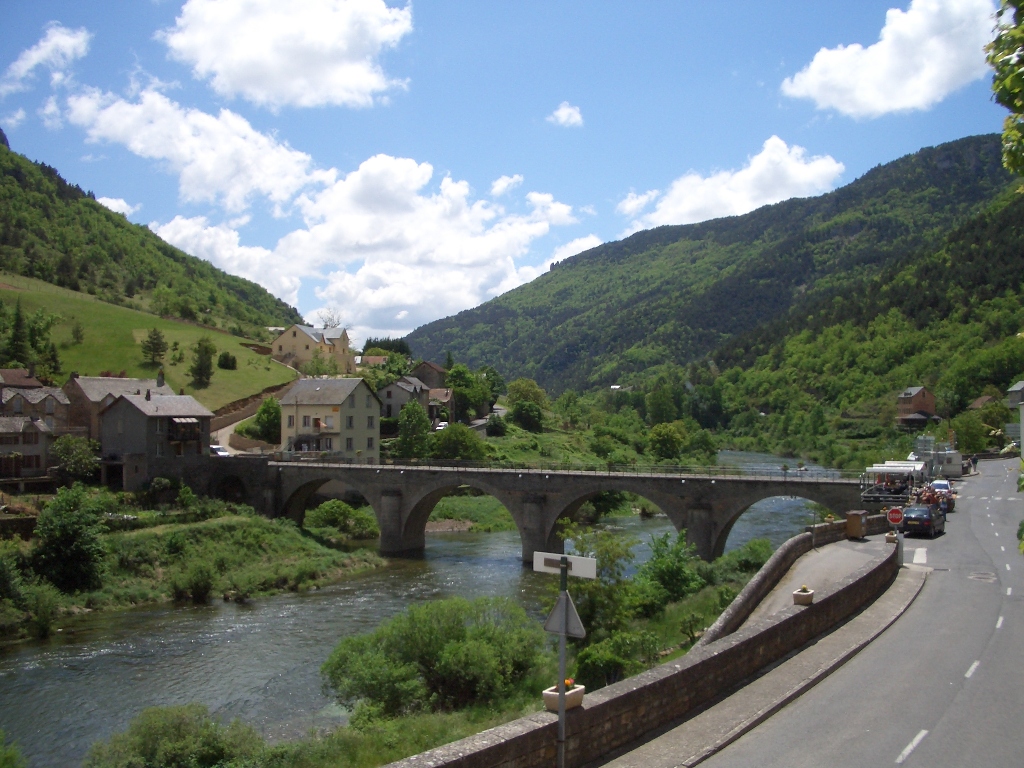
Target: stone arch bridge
(402, 497)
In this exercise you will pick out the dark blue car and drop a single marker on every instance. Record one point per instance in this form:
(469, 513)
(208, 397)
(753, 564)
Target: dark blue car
(925, 519)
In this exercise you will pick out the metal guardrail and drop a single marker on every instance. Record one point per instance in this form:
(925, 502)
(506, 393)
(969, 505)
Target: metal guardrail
(758, 472)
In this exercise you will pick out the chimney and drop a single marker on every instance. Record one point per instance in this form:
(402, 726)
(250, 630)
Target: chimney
(31, 370)
(148, 397)
(160, 378)
(74, 375)
(182, 391)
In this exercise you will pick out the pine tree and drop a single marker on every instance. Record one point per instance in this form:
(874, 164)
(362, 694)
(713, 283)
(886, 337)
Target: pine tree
(202, 362)
(154, 347)
(18, 350)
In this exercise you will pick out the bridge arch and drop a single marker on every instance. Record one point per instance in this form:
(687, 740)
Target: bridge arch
(294, 506)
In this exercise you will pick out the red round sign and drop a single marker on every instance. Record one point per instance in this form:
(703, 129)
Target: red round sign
(895, 515)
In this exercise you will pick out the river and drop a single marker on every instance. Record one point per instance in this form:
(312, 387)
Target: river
(260, 661)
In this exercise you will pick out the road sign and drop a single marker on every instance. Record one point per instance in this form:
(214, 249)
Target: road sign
(564, 619)
(895, 515)
(581, 567)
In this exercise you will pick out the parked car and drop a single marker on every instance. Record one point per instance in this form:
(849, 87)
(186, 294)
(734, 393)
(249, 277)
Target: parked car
(218, 450)
(926, 519)
(441, 425)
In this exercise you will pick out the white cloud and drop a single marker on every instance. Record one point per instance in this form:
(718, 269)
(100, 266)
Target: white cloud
(301, 53)
(579, 245)
(221, 247)
(504, 184)
(55, 50)
(222, 158)
(118, 205)
(14, 119)
(566, 115)
(776, 173)
(51, 115)
(922, 55)
(633, 203)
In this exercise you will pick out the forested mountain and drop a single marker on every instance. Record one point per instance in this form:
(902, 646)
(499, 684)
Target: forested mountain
(677, 293)
(54, 231)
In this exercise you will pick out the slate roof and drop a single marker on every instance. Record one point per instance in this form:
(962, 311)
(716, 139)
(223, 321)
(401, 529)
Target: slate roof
(322, 335)
(18, 377)
(37, 395)
(98, 387)
(434, 366)
(1016, 387)
(13, 424)
(166, 405)
(441, 394)
(409, 384)
(321, 391)
(910, 391)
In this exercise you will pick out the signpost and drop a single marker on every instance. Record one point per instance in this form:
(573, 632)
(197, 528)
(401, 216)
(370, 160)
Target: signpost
(895, 517)
(563, 620)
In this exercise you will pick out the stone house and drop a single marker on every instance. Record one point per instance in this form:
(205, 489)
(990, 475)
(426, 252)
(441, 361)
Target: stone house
(915, 407)
(337, 415)
(394, 396)
(19, 378)
(297, 344)
(431, 374)
(440, 398)
(88, 395)
(1015, 394)
(48, 404)
(24, 446)
(135, 430)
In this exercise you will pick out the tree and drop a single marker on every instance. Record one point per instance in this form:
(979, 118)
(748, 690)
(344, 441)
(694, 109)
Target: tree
(661, 406)
(330, 317)
(665, 441)
(457, 442)
(470, 393)
(527, 415)
(495, 382)
(1006, 57)
(77, 332)
(318, 365)
(76, 457)
(18, 349)
(69, 551)
(154, 347)
(226, 361)
(528, 390)
(202, 362)
(268, 421)
(449, 361)
(413, 432)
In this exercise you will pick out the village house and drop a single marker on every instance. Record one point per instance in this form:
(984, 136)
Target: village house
(915, 407)
(440, 400)
(1015, 395)
(48, 404)
(24, 446)
(338, 415)
(394, 396)
(431, 374)
(297, 345)
(135, 430)
(88, 395)
(19, 378)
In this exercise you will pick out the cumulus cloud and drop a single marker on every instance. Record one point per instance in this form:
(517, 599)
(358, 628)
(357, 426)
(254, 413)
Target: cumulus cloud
(776, 173)
(303, 53)
(50, 114)
(527, 273)
(922, 55)
(221, 246)
(633, 203)
(118, 205)
(217, 158)
(503, 184)
(14, 119)
(566, 115)
(58, 47)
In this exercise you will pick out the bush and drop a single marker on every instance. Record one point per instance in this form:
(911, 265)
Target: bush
(68, 548)
(527, 415)
(615, 658)
(496, 426)
(674, 566)
(354, 523)
(200, 580)
(183, 736)
(445, 654)
(457, 442)
(647, 598)
(76, 457)
(10, 755)
(227, 361)
(10, 574)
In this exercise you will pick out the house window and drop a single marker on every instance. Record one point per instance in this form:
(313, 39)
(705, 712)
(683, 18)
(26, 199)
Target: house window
(369, 422)
(389, 409)
(30, 438)
(369, 442)
(307, 346)
(293, 334)
(389, 394)
(351, 401)
(349, 443)
(18, 405)
(328, 443)
(159, 426)
(120, 426)
(159, 449)
(305, 421)
(291, 422)
(369, 400)
(280, 347)
(50, 404)
(329, 422)
(350, 422)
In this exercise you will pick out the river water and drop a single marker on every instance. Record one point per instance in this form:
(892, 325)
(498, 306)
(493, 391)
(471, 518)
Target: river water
(260, 662)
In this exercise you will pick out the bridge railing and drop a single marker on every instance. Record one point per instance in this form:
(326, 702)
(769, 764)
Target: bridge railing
(763, 472)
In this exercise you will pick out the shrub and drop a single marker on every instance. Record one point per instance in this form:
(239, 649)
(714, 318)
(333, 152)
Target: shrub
(10, 575)
(183, 736)
(200, 580)
(354, 523)
(227, 361)
(76, 457)
(10, 755)
(673, 565)
(186, 498)
(496, 426)
(527, 415)
(647, 598)
(43, 603)
(68, 549)
(457, 442)
(615, 658)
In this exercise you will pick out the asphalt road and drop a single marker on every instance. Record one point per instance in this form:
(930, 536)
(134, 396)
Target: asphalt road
(944, 685)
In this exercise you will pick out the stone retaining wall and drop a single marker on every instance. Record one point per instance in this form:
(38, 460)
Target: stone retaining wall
(240, 443)
(622, 713)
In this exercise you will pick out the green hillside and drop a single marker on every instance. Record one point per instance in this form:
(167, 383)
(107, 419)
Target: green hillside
(675, 294)
(53, 231)
(112, 338)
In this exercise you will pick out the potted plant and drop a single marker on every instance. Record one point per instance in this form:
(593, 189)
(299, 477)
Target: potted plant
(803, 596)
(573, 695)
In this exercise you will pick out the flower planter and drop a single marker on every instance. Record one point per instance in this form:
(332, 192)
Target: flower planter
(573, 697)
(803, 598)
(890, 538)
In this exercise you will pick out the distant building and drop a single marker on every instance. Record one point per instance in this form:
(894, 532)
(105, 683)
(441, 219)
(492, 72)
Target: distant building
(431, 374)
(394, 396)
(20, 378)
(88, 395)
(370, 360)
(1015, 394)
(135, 430)
(298, 343)
(48, 404)
(915, 408)
(24, 446)
(980, 403)
(336, 415)
(440, 398)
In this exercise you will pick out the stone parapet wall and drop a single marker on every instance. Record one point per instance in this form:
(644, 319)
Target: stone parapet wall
(622, 713)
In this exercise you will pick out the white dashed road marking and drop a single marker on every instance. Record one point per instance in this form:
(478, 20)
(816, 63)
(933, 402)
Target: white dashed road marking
(910, 747)
(970, 670)
(999, 624)
(1002, 548)
(1007, 566)
(921, 556)
(1009, 591)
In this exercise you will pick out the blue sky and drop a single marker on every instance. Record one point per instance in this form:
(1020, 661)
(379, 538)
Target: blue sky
(399, 163)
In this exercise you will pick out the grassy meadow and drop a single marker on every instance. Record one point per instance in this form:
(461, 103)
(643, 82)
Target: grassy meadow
(113, 342)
